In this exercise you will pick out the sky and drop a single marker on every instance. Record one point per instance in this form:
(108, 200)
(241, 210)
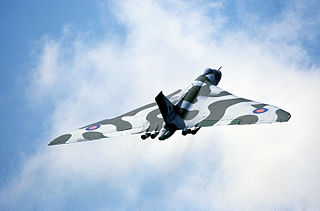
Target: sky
(69, 63)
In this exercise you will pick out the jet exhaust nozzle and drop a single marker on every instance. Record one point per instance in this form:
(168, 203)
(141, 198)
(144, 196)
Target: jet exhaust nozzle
(192, 131)
(145, 136)
(154, 134)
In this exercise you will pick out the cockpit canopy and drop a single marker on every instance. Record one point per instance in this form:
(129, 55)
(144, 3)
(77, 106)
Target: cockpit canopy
(213, 75)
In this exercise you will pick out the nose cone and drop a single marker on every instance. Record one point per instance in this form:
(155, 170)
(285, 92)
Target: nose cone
(61, 139)
(283, 116)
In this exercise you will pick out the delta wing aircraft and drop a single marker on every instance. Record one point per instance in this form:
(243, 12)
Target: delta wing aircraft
(201, 104)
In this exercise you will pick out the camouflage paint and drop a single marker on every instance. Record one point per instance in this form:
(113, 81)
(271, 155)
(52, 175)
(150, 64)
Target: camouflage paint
(201, 104)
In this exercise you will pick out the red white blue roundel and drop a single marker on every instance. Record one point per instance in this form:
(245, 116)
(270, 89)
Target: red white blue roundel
(93, 127)
(260, 110)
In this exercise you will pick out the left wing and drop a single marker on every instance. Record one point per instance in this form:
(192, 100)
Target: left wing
(143, 119)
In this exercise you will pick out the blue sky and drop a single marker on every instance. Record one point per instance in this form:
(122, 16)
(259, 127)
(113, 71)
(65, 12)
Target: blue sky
(22, 25)
(66, 64)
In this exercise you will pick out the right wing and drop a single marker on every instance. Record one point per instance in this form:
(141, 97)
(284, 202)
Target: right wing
(212, 106)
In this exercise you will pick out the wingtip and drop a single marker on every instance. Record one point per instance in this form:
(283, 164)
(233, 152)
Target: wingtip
(283, 116)
(60, 140)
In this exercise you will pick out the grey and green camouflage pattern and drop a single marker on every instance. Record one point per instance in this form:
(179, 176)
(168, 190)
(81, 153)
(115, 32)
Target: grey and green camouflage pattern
(201, 104)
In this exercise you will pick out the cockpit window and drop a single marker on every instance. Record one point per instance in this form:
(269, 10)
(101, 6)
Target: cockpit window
(207, 71)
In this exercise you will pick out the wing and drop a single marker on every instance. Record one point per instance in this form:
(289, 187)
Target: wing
(214, 106)
(143, 119)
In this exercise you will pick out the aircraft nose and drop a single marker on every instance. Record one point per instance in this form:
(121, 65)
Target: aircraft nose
(60, 140)
(283, 116)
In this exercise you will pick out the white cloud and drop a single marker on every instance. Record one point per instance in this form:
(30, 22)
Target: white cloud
(247, 167)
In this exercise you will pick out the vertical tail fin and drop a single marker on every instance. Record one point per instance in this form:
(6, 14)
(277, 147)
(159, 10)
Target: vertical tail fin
(167, 109)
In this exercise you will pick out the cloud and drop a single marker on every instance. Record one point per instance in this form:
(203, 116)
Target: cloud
(166, 46)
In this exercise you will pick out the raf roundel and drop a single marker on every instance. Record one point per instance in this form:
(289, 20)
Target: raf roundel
(260, 110)
(93, 127)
